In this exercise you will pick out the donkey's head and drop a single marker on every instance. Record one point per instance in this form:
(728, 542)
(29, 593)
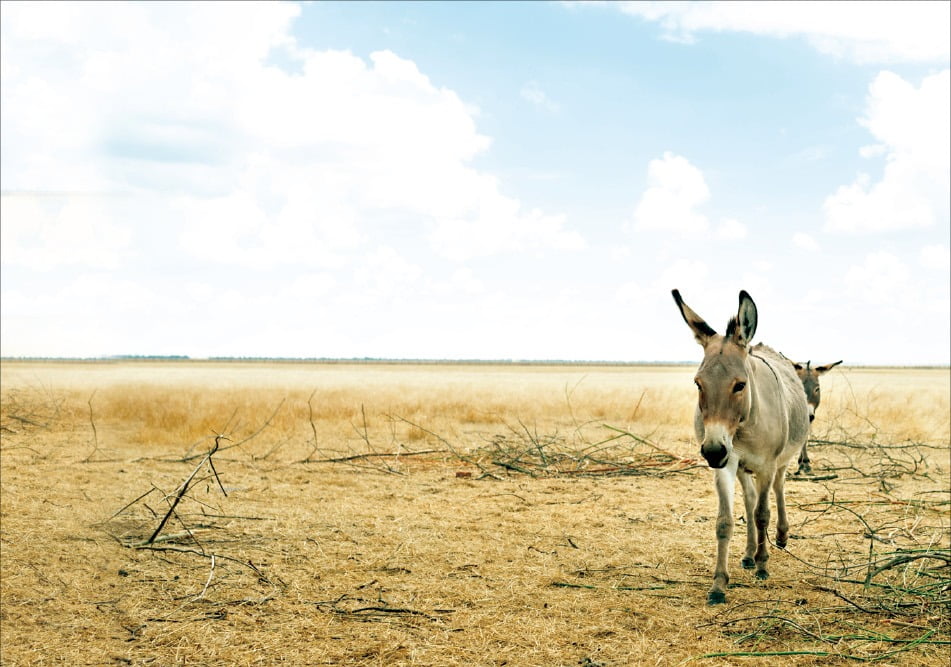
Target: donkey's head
(810, 382)
(723, 397)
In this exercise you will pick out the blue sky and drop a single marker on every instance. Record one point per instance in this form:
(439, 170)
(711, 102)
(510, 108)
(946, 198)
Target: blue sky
(474, 180)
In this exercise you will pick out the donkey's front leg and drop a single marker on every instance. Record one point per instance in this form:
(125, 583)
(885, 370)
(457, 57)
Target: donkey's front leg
(749, 502)
(725, 481)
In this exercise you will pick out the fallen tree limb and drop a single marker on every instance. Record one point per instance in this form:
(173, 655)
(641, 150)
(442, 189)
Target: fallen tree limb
(184, 487)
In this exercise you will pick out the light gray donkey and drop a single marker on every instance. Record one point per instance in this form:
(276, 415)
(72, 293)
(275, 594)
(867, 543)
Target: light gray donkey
(751, 420)
(809, 375)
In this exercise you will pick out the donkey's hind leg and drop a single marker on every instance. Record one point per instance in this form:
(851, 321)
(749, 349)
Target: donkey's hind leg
(782, 522)
(761, 517)
(805, 466)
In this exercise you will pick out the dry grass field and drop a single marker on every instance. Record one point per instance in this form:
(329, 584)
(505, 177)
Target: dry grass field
(160, 513)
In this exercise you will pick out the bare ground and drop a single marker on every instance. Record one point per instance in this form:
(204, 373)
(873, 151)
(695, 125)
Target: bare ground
(520, 538)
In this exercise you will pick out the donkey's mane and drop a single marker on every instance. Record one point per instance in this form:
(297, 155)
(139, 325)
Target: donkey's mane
(783, 365)
(762, 349)
(731, 327)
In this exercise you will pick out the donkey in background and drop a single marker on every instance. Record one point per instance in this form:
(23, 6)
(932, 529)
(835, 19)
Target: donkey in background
(810, 383)
(751, 420)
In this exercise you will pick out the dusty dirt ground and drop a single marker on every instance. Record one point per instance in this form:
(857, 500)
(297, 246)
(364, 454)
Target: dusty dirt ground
(445, 515)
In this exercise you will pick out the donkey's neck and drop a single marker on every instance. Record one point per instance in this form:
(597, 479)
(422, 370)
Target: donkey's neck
(750, 433)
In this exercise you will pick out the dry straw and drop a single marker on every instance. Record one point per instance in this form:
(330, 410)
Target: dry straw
(253, 514)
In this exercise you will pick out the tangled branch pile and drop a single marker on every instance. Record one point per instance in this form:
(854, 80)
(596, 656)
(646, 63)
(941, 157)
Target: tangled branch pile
(525, 451)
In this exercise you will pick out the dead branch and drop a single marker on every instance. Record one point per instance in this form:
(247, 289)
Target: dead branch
(645, 441)
(25, 420)
(372, 611)
(908, 558)
(358, 457)
(839, 595)
(313, 427)
(810, 478)
(263, 426)
(449, 446)
(273, 449)
(184, 487)
(211, 573)
(364, 435)
(856, 444)
(186, 550)
(769, 617)
(128, 505)
(95, 433)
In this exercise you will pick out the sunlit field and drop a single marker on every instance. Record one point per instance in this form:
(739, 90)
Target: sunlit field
(387, 514)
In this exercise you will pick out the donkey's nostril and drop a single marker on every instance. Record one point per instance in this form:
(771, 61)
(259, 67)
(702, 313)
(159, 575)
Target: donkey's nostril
(716, 465)
(715, 455)
(811, 418)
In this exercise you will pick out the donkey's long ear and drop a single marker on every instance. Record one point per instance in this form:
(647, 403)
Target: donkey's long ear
(828, 367)
(745, 327)
(701, 330)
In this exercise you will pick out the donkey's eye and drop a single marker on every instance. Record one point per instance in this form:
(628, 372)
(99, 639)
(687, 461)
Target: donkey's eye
(738, 387)
(699, 388)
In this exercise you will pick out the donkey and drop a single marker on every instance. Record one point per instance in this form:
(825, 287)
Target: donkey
(751, 420)
(810, 383)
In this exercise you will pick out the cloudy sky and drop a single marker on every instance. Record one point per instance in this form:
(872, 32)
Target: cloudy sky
(469, 180)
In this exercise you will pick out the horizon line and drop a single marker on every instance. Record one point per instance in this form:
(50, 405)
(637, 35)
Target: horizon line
(402, 360)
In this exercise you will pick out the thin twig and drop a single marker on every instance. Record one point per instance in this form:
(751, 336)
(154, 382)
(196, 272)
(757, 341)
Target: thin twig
(184, 487)
(211, 573)
(95, 433)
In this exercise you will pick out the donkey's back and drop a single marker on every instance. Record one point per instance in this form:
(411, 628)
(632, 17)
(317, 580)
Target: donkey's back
(782, 403)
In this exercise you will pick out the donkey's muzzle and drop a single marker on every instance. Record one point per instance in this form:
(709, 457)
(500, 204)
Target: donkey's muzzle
(715, 454)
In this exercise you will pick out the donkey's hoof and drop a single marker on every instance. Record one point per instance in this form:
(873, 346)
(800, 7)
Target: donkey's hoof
(716, 597)
(781, 542)
(747, 563)
(761, 574)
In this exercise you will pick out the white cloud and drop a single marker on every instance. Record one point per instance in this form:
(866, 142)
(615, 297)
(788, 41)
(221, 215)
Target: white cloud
(487, 222)
(265, 166)
(731, 230)
(873, 150)
(533, 93)
(936, 257)
(48, 232)
(620, 253)
(805, 241)
(385, 273)
(865, 32)
(913, 129)
(684, 274)
(812, 154)
(465, 281)
(880, 280)
(675, 189)
(633, 293)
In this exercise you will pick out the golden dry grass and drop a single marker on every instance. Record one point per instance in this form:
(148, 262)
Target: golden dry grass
(530, 534)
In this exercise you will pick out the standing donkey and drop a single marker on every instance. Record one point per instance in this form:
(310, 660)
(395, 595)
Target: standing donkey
(751, 420)
(810, 383)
